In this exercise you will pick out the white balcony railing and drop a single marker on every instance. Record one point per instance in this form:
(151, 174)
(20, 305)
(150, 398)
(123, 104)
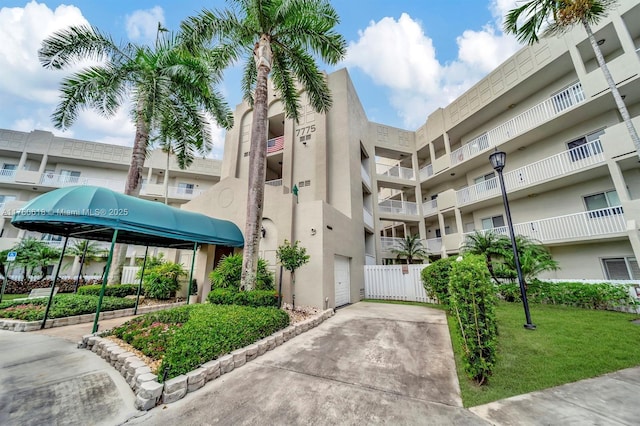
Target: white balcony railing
(433, 245)
(388, 243)
(395, 171)
(426, 171)
(592, 223)
(61, 181)
(368, 217)
(274, 182)
(430, 207)
(557, 165)
(7, 175)
(365, 175)
(519, 124)
(184, 193)
(398, 207)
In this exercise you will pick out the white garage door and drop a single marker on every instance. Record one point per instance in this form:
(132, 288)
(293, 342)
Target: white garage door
(342, 279)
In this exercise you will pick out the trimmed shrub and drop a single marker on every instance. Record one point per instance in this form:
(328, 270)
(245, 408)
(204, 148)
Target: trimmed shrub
(214, 330)
(472, 301)
(582, 295)
(435, 279)
(117, 290)
(227, 274)
(255, 298)
(64, 305)
(161, 281)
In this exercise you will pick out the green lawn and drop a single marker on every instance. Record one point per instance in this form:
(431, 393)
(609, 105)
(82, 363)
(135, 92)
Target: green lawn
(569, 344)
(13, 296)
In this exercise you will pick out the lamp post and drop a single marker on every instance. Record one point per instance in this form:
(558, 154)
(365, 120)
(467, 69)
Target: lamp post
(498, 160)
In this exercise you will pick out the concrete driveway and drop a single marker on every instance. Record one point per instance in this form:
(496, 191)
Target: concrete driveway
(48, 381)
(370, 363)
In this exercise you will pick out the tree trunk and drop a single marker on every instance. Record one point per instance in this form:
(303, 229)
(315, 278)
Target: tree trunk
(624, 113)
(132, 187)
(257, 166)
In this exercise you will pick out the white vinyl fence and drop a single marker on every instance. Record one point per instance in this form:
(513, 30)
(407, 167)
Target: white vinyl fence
(395, 282)
(129, 275)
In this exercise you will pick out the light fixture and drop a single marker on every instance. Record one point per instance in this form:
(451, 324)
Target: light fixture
(263, 232)
(601, 41)
(313, 231)
(498, 159)
(511, 106)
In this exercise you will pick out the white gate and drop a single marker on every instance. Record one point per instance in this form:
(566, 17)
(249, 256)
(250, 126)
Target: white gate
(395, 282)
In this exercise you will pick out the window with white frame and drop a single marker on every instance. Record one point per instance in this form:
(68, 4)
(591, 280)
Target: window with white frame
(603, 204)
(185, 188)
(585, 146)
(493, 222)
(69, 176)
(621, 268)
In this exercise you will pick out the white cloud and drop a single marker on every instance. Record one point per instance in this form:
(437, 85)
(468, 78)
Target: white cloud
(142, 25)
(397, 54)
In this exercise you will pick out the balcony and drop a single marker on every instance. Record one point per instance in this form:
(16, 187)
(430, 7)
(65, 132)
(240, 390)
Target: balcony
(395, 171)
(430, 207)
(389, 243)
(368, 217)
(7, 175)
(433, 245)
(521, 123)
(577, 226)
(61, 181)
(274, 182)
(175, 192)
(398, 207)
(558, 165)
(426, 171)
(365, 175)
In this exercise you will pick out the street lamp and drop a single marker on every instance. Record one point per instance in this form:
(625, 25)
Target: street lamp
(498, 160)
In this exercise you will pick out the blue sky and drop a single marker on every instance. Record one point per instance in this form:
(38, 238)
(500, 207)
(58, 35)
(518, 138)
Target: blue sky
(406, 57)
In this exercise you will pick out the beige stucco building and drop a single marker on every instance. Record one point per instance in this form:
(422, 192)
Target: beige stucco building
(572, 173)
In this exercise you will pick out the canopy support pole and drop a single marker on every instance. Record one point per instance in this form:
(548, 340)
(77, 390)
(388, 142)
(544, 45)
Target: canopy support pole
(144, 265)
(193, 262)
(53, 283)
(104, 280)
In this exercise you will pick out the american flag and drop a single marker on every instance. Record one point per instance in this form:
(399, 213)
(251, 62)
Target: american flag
(275, 144)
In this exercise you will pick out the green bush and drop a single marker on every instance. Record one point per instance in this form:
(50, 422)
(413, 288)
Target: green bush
(161, 281)
(435, 279)
(64, 305)
(214, 330)
(227, 274)
(255, 298)
(117, 290)
(472, 301)
(582, 295)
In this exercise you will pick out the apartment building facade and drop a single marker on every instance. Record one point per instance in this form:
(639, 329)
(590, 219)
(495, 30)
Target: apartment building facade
(572, 173)
(32, 163)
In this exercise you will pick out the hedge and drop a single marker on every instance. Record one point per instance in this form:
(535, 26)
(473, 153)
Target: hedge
(254, 298)
(64, 305)
(66, 285)
(118, 290)
(435, 279)
(215, 330)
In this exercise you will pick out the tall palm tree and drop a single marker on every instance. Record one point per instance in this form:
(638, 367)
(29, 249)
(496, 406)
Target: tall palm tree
(540, 17)
(281, 39)
(410, 247)
(160, 81)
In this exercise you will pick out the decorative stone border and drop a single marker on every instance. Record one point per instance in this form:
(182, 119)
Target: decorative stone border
(17, 325)
(150, 393)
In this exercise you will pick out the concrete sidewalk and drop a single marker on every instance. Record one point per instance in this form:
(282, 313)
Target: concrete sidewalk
(612, 399)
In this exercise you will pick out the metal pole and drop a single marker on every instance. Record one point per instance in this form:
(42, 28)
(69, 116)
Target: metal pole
(193, 262)
(84, 256)
(516, 257)
(280, 289)
(144, 265)
(53, 283)
(104, 280)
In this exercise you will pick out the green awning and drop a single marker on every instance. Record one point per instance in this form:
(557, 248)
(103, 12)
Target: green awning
(93, 213)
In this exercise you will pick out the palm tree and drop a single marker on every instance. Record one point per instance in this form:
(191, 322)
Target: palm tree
(35, 254)
(161, 81)
(534, 258)
(536, 17)
(410, 247)
(87, 252)
(280, 38)
(485, 243)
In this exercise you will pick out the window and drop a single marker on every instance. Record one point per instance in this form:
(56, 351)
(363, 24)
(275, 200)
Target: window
(4, 199)
(621, 268)
(185, 188)
(69, 176)
(486, 182)
(603, 204)
(493, 222)
(585, 146)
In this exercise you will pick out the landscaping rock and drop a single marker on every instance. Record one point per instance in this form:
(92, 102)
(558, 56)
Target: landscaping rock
(197, 375)
(176, 384)
(213, 369)
(263, 346)
(279, 338)
(239, 357)
(143, 378)
(226, 364)
(271, 341)
(143, 404)
(252, 352)
(151, 390)
(169, 397)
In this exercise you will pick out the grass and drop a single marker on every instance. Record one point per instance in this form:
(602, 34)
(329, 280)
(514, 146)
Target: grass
(570, 344)
(6, 297)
